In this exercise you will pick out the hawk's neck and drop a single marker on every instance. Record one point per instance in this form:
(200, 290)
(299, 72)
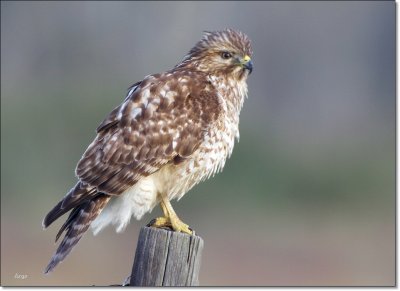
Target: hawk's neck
(233, 91)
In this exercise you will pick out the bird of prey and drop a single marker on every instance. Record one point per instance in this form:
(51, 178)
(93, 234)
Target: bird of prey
(172, 131)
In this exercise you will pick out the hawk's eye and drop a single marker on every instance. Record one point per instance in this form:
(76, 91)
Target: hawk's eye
(226, 55)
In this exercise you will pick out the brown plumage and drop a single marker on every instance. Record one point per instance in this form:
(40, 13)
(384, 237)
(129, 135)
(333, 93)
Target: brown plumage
(173, 130)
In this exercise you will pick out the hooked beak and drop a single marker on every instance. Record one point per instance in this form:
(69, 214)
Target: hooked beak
(247, 63)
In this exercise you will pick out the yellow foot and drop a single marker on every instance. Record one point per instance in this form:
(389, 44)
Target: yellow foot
(161, 222)
(180, 226)
(176, 224)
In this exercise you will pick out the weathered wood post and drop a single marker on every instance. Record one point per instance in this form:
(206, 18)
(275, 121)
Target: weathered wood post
(166, 258)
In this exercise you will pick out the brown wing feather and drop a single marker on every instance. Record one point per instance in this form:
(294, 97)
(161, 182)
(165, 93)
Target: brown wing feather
(165, 116)
(163, 119)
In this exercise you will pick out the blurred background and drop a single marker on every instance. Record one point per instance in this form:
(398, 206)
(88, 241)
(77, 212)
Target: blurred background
(308, 197)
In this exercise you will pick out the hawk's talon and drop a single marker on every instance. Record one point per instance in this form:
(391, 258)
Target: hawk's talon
(180, 226)
(175, 224)
(160, 222)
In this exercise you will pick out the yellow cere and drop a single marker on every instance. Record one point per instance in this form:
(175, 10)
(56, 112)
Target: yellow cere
(246, 59)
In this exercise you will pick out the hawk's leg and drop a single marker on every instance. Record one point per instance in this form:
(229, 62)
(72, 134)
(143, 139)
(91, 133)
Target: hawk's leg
(170, 218)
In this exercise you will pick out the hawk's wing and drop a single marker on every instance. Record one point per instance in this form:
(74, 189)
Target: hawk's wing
(163, 117)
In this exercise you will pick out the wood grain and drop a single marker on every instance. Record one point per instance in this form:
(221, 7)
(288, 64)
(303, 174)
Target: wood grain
(166, 258)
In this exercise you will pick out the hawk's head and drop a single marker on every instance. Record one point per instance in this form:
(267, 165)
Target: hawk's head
(226, 52)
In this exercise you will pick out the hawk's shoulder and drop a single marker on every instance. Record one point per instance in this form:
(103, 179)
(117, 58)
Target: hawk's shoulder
(163, 117)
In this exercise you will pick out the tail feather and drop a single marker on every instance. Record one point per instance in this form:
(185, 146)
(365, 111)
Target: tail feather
(76, 225)
(74, 213)
(76, 196)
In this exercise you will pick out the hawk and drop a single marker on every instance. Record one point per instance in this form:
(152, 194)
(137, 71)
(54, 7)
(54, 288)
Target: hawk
(172, 131)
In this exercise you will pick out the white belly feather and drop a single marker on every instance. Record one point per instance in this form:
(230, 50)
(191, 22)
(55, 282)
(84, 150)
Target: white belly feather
(136, 201)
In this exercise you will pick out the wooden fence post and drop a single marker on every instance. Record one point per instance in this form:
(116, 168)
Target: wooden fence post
(166, 258)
